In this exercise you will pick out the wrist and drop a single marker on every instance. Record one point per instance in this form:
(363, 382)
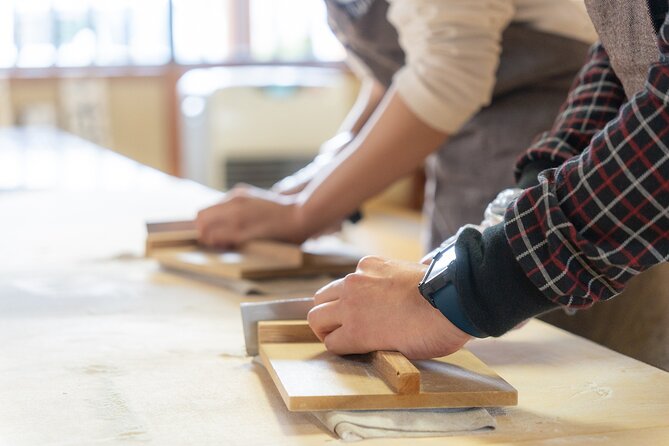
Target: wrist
(447, 301)
(298, 225)
(438, 289)
(495, 292)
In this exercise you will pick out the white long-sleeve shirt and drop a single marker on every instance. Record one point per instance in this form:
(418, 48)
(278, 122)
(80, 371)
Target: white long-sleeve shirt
(452, 49)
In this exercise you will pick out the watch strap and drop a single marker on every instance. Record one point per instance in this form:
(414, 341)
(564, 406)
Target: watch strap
(447, 301)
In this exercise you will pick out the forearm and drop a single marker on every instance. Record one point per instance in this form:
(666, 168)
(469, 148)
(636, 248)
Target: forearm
(586, 229)
(601, 217)
(369, 97)
(392, 144)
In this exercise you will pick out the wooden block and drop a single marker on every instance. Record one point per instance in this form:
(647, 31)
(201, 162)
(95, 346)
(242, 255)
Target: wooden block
(285, 331)
(288, 254)
(393, 367)
(170, 234)
(397, 371)
(174, 245)
(241, 264)
(310, 378)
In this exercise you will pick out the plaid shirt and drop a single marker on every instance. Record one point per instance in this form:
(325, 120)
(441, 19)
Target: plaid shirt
(603, 215)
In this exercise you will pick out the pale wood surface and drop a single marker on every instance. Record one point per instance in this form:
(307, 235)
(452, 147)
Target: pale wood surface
(250, 263)
(397, 371)
(168, 234)
(393, 367)
(99, 346)
(175, 246)
(285, 331)
(310, 378)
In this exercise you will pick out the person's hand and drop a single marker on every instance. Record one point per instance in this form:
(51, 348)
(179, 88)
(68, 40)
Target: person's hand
(379, 308)
(248, 213)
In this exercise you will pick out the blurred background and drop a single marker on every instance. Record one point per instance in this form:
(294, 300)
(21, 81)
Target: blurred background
(219, 91)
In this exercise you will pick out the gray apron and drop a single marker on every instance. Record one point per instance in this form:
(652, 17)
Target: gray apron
(626, 32)
(635, 323)
(466, 173)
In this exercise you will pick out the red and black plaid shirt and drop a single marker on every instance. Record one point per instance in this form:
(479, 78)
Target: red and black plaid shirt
(603, 215)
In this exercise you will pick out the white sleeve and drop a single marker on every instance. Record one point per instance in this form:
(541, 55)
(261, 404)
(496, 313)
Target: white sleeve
(452, 50)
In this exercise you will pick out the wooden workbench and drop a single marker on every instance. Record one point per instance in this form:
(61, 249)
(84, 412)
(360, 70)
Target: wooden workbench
(98, 346)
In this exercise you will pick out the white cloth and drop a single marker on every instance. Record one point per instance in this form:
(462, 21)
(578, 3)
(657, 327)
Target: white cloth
(452, 49)
(358, 425)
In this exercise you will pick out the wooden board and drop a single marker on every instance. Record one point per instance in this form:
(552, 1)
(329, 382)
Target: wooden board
(170, 234)
(310, 378)
(174, 245)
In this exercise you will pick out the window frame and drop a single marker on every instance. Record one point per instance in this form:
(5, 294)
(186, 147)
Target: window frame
(239, 35)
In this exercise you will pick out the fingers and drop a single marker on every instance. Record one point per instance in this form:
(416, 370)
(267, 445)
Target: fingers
(221, 225)
(222, 235)
(324, 318)
(214, 229)
(329, 292)
(341, 341)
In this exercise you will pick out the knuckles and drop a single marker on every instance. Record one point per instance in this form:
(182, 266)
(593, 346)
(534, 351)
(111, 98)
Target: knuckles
(353, 280)
(370, 262)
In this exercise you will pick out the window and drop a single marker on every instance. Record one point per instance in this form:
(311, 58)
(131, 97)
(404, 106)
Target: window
(80, 33)
(291, 30)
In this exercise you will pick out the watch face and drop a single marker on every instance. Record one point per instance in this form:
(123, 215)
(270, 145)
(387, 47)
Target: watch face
(441, 263)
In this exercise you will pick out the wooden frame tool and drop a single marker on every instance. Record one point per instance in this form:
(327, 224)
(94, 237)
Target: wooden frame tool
(175, 246)
(310, 378)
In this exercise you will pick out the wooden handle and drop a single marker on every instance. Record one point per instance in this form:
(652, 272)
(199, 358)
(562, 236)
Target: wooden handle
(285, 331)
(169, 235)
(289, 254)
(395, 369)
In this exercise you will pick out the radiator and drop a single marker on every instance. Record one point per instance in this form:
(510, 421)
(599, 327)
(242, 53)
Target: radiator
(256, 124)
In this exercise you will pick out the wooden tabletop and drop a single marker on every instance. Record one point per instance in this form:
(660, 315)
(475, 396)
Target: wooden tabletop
(99, 346)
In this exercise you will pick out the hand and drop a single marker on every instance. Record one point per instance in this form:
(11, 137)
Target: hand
(248, 213)
(379, 308)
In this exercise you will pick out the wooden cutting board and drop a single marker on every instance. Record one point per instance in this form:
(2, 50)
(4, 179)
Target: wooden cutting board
(174, 245)
(310, 378)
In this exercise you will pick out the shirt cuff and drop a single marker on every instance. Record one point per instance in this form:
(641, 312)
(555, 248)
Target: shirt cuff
(495, 292)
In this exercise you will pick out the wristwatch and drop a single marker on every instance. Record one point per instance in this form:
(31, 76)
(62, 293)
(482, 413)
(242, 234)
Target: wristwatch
(438, 289)
(439, 273)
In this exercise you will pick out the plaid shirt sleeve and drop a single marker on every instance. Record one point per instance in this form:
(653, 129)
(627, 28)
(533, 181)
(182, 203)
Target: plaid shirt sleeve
(603, 215)
(594, 99)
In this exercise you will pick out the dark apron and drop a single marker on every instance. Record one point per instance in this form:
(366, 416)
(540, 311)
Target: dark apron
(466, 173)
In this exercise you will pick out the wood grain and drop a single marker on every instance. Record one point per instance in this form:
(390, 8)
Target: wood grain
(285, 331)
(397, 371)
(248, 264)
(169, 234)
(174, 244)
(311, 378)
(130, 330)
(393, 367)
